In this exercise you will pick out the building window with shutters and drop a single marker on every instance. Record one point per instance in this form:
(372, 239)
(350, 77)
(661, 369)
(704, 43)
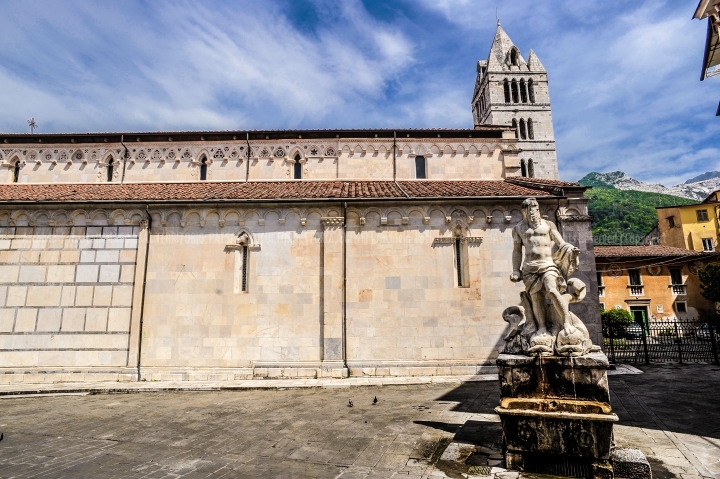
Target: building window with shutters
(702, 215)
(636, 286)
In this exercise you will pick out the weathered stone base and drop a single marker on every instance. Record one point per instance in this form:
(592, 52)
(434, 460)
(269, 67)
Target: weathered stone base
(39, 375)
(325, 369)
(630, 463)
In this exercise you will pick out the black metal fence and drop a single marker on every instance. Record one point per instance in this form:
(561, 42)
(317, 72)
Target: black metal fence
(681, 341)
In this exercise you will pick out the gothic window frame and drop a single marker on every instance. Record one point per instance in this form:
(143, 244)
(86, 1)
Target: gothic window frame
(523, 130)
(530, 129)
(506, 90)
(523, 91)
(514, 91)
(110, 168)
(16, 167)
(203, 168)
(297, 167)
(514, 55)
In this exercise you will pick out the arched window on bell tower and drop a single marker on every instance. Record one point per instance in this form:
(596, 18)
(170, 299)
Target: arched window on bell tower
(523, 92)
(531, 91)
(514, 57)
(531, 130)
(523, 168)
(515, 126)
(523, 131)
(514, 87)
(531, 168)
(506, 88)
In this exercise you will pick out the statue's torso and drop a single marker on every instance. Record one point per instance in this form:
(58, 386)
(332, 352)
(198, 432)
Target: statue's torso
(537, 241)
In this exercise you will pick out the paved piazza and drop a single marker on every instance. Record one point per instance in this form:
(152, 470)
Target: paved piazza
(670, 412)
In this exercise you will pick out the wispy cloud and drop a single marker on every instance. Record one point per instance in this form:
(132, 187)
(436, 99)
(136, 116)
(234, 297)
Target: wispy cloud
(623, 76)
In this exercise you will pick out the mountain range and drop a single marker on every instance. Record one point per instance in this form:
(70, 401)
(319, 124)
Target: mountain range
(697, 188)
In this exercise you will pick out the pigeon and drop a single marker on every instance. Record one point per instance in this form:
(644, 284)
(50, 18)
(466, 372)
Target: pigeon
(375, 400)
(350, 404)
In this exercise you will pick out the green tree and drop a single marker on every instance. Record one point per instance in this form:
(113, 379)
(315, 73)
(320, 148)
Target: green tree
(615, 321)
(710, 282)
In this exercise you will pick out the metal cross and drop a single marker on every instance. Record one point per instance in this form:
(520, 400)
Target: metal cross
(32, 124)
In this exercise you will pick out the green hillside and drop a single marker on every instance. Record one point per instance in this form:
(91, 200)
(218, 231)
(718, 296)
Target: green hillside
(625, 216)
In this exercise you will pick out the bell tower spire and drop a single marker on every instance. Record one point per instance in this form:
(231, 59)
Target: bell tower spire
(512, 91)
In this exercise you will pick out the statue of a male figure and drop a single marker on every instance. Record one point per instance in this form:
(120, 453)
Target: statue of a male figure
(544, 275)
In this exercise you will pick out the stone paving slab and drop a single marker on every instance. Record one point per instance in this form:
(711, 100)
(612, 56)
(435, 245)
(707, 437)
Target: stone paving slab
(308, 430)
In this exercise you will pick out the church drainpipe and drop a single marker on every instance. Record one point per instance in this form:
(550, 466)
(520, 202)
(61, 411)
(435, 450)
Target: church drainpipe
(125, 155)
(247, 167)
(142, 299)
(344, 300)
(395, 167)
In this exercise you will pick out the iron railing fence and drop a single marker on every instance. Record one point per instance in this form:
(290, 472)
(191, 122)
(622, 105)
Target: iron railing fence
(686, 340)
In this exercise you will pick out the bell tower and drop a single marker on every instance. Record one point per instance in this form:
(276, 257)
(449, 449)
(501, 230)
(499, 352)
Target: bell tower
(512, 91)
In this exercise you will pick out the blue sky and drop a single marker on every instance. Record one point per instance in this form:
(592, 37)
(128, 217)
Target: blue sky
(624, 75)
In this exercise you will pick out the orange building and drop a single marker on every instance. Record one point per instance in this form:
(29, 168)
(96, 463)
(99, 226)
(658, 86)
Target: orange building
(653, 282)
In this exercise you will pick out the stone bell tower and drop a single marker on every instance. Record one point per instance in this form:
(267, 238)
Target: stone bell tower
(512, 91)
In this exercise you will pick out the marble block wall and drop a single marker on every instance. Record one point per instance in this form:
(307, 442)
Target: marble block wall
(66, 295)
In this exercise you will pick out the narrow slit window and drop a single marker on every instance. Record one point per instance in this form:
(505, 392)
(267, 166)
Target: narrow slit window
(420, 171)
(110, 168)
(297, 168)
(203, 169)
(514, 125)
(458, 261)
(531, 91)
(506, 87)
(531, 129)
(16, 172)
(531, 168)
(523, 91)
(244, 273)
(523, 131)
(523, 168)
(461, 263)
(514, 87)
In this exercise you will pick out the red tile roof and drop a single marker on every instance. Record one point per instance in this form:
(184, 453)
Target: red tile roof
(260, 190)
(646, 251)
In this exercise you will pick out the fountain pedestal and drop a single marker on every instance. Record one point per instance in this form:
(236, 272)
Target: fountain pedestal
(556, 415)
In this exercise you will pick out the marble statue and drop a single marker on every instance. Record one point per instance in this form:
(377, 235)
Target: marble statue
(543, 323)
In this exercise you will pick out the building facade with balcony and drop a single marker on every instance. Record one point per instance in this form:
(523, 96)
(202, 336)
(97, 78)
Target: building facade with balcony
(653, 282)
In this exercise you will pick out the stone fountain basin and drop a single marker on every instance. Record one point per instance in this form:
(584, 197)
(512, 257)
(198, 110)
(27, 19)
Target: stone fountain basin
(564, 427)
(523, 405)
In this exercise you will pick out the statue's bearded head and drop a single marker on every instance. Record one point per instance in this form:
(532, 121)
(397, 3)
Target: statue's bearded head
(531, 212)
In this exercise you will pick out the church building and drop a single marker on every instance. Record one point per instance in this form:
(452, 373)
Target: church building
(287, 253)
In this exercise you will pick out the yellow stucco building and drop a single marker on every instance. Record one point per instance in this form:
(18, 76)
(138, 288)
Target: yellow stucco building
(694, 227)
